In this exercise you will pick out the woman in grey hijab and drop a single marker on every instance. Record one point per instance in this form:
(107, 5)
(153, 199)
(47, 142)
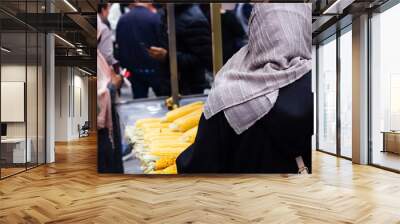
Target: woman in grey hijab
(258, 117)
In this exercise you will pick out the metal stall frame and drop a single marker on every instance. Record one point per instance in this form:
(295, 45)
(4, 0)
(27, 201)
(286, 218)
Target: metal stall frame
(216, 32)
(173, 63)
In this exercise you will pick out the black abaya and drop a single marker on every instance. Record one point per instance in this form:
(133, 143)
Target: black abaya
(269, 146)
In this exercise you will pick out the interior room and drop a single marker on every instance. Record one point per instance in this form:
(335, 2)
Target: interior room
(42, 77)
(23, 96)
(49, 151)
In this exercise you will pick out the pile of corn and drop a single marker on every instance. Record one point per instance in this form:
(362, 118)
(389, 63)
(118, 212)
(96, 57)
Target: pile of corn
(159, 141)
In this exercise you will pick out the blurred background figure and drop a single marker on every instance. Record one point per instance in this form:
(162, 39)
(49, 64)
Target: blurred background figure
(242, 12)
(141, 44)
(116, 11)
(105, 41)
(234, 35)
(136, 31)
(108, 125)
(193, 45)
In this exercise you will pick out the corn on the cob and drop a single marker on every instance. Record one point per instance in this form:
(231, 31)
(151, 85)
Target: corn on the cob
(140, 122)
(182, 111)
(161, 138)
(161, 133)
(155, 131)
(190, 135)
(172, 151)
(169, 170)
(164, 162)
(187, 122)
(168, 144)
(159, 141)
(155, 125)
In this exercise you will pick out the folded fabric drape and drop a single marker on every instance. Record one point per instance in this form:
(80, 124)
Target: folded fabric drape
(278, 53)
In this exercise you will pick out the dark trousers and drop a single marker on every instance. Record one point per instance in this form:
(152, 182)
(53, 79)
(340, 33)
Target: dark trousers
(109, 158)
(269, 146)
(141, 84)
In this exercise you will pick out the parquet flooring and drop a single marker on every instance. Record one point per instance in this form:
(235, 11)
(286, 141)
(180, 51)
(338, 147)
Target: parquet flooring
(71, 191)
(10, 171)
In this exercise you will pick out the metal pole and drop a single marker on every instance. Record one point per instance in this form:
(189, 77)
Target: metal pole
(173, 64)
(317, 96)
(215, 9)
(338, 96)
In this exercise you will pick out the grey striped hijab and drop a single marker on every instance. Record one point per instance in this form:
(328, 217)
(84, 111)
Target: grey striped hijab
(278, 53)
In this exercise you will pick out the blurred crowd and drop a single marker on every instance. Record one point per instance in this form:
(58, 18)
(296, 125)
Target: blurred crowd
(137, 43)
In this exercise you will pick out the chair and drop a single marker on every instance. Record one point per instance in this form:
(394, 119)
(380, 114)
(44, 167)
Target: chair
(84, 130)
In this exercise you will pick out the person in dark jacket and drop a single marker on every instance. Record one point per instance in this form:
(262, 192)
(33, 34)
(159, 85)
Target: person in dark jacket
(137, 30)
(242, 12)
(193, 44)
(234, 36)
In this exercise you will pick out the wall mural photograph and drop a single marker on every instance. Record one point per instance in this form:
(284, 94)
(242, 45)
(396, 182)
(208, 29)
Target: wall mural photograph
(204, 88)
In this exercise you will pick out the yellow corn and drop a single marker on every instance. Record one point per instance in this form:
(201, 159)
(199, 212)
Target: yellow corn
(140, 122)
(187, 122)
(169, 170)
(190, 135)
(154, 125)
(164, 143)
(171, 151)
(182, 111)
(161, 138)
(164, 162)
(157, 131)
(167, 144)
(155, 138)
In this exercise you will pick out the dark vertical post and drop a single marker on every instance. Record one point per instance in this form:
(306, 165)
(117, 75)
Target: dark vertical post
(26, 86)
(317, 98)
(216, 33)
(172, 53)
(338, 97)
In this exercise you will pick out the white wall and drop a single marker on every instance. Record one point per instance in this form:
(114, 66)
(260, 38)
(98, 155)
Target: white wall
(71, 102)
(61, 104)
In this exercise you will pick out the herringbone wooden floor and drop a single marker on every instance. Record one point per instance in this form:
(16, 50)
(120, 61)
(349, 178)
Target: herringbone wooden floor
(70, 191)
